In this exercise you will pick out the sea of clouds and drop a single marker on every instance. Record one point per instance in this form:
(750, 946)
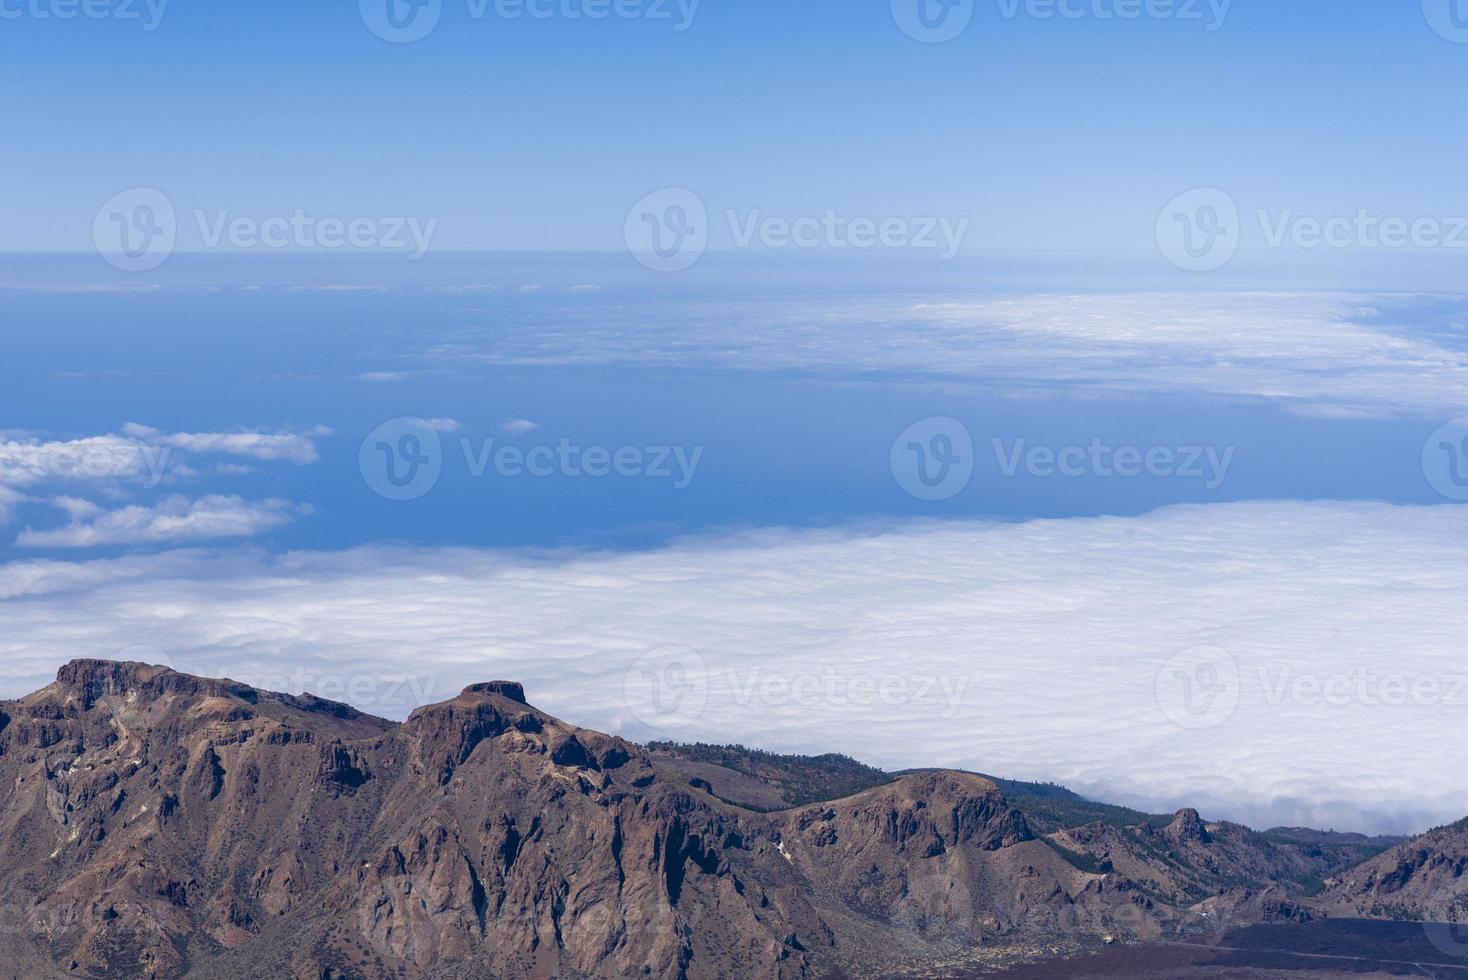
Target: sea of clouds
(1328, 691)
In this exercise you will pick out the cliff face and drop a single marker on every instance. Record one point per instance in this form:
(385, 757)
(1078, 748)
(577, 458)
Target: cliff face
(1425, 879)
(161, 825)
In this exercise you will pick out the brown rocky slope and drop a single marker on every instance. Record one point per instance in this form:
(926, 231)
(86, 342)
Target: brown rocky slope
(1424, 880)
(156, 824)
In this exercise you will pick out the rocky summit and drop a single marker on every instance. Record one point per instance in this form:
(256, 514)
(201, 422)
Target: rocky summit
(156, 824)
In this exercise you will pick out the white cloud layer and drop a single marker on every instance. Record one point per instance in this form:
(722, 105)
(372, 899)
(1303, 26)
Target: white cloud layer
(171, 519)
(1311, 352)
(1029, 650)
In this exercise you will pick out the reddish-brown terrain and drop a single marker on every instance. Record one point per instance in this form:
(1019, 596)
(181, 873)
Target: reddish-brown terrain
(156, 824)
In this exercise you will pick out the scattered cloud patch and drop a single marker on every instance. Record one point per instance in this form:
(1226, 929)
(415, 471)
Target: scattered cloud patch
(298, 448)
(76, 509)
(118, 466)
(519, 426)
(171, 520)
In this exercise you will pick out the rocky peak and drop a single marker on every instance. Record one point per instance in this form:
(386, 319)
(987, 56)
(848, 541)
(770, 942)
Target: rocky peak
(1187, 827)
(110, 675)
(91, 680)
(512, 690)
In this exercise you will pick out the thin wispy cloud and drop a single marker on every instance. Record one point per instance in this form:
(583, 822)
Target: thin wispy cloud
(298, 448)
(1311, 353)
(173, 519)
(9, 498)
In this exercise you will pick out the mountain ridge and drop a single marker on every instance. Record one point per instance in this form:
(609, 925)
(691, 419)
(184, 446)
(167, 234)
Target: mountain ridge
(168, 825)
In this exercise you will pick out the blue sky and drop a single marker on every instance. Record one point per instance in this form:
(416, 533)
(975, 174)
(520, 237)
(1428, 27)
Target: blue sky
(1049, 133)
